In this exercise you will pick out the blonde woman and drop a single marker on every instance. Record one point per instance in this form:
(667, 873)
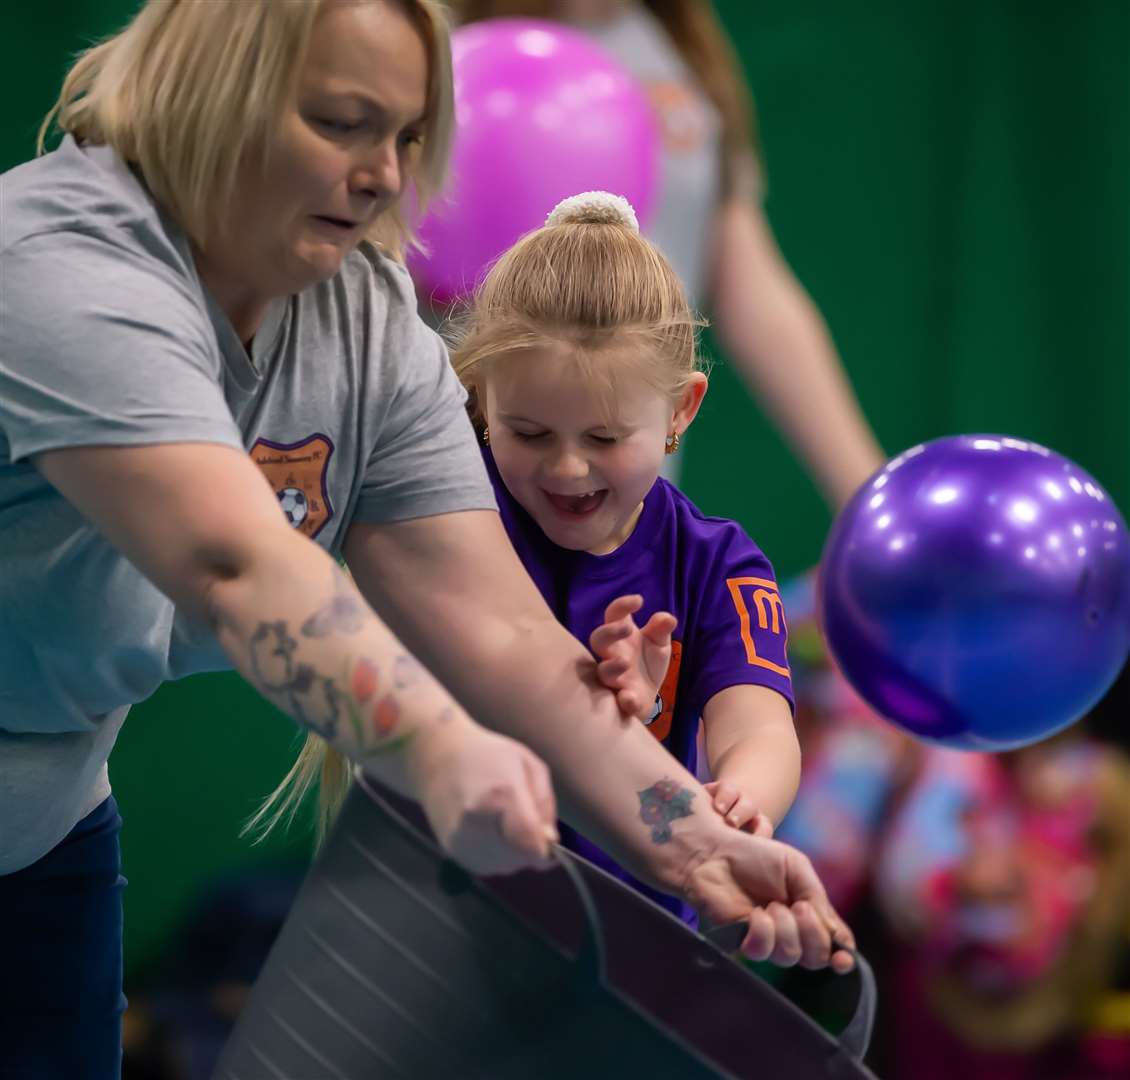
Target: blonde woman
(212, 381)
(709, 221)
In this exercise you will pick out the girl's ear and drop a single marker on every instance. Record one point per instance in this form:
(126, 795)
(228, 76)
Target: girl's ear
(689, 402)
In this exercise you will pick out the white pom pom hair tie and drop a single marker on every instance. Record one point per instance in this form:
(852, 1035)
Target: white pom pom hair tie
(594, 208)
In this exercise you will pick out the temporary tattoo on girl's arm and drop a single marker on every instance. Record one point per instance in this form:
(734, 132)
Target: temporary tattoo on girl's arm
(661, 804)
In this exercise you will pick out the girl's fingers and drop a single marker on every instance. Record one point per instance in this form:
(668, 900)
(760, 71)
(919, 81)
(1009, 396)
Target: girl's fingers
(605, 637)
(659, 628)
(615, 661)
(725, 796)
(623, 606)
(629, 702)
(761, 826)
(742, 813)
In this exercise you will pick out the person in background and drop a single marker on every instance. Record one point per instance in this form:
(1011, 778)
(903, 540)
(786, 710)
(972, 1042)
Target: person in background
(710, 223)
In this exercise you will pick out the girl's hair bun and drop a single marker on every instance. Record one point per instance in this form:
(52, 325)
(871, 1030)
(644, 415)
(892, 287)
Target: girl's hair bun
(594, 208)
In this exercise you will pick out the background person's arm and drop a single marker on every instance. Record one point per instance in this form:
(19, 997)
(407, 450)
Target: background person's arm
(777, 340)
(454, 591)
(295, 626)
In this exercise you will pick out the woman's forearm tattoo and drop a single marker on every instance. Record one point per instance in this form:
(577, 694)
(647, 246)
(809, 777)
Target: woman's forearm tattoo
(661, 804)
(361, 696)
(343, 613)
(314, 701)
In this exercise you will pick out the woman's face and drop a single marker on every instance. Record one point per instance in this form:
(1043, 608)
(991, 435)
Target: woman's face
(340, 156)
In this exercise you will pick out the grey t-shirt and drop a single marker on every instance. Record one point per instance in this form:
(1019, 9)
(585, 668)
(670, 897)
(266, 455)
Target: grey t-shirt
(107, 337)
(690, 183)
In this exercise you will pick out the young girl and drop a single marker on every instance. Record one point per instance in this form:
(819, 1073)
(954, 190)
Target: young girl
(579, 356)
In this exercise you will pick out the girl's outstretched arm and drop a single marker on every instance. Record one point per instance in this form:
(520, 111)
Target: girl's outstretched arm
(754, 756)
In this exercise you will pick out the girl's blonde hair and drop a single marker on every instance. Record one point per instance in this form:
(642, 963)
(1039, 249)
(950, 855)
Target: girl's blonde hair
(191, 92)
(586, 283)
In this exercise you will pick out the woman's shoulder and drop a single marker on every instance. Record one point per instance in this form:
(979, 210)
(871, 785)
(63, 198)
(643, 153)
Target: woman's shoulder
(85, 189)
(78, 216)
(381, 288)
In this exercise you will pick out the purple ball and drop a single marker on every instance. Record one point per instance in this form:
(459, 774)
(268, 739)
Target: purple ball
(976, 592)
(541, 113)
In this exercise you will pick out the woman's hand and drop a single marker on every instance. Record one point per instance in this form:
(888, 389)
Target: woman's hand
(488, 799)
(632, 661)
(774, 887)
(737, 809)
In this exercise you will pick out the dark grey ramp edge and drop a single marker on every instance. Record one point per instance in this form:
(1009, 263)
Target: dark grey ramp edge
(394, 963)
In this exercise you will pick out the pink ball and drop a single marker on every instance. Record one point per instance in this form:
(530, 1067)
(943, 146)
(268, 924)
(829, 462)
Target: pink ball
(541, 113)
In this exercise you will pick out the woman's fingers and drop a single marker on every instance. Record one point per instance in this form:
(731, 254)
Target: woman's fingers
(760, 937)
(756, 877)
(787, 948)
(541, 788)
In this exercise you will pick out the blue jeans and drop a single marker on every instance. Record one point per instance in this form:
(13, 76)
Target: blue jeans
(61, 998)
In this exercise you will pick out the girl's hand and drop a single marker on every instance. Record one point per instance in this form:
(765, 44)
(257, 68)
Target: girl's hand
(737, 809)
(632, 662)
(488, 799)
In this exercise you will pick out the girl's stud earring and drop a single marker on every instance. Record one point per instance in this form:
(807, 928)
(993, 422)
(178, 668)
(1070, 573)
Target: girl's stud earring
(486, 436)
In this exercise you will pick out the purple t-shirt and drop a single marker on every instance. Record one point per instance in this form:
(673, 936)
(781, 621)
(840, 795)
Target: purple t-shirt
(708, 573)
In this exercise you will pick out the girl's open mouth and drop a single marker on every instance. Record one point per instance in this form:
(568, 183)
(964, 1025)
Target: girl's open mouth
(576, 506)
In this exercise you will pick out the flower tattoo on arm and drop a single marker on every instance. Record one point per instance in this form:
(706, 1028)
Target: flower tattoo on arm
(661, 804)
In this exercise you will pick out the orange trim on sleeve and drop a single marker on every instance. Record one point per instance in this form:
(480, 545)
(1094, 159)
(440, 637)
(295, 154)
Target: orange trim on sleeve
(767, 601)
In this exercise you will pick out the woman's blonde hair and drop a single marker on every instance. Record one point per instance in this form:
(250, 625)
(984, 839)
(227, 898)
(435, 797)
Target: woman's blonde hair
(190, 92)
(586, 283)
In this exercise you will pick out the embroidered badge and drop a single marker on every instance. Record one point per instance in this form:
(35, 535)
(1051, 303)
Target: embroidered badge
(297, 472)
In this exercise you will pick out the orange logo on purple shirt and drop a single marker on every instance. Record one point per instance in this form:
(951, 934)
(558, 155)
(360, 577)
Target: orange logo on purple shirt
(663, 712)
(758, 603)
(297, 473)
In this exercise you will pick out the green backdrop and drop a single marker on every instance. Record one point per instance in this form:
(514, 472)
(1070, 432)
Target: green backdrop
(949, 179)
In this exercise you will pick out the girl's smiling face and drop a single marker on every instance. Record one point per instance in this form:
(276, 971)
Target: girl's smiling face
(580, 457)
